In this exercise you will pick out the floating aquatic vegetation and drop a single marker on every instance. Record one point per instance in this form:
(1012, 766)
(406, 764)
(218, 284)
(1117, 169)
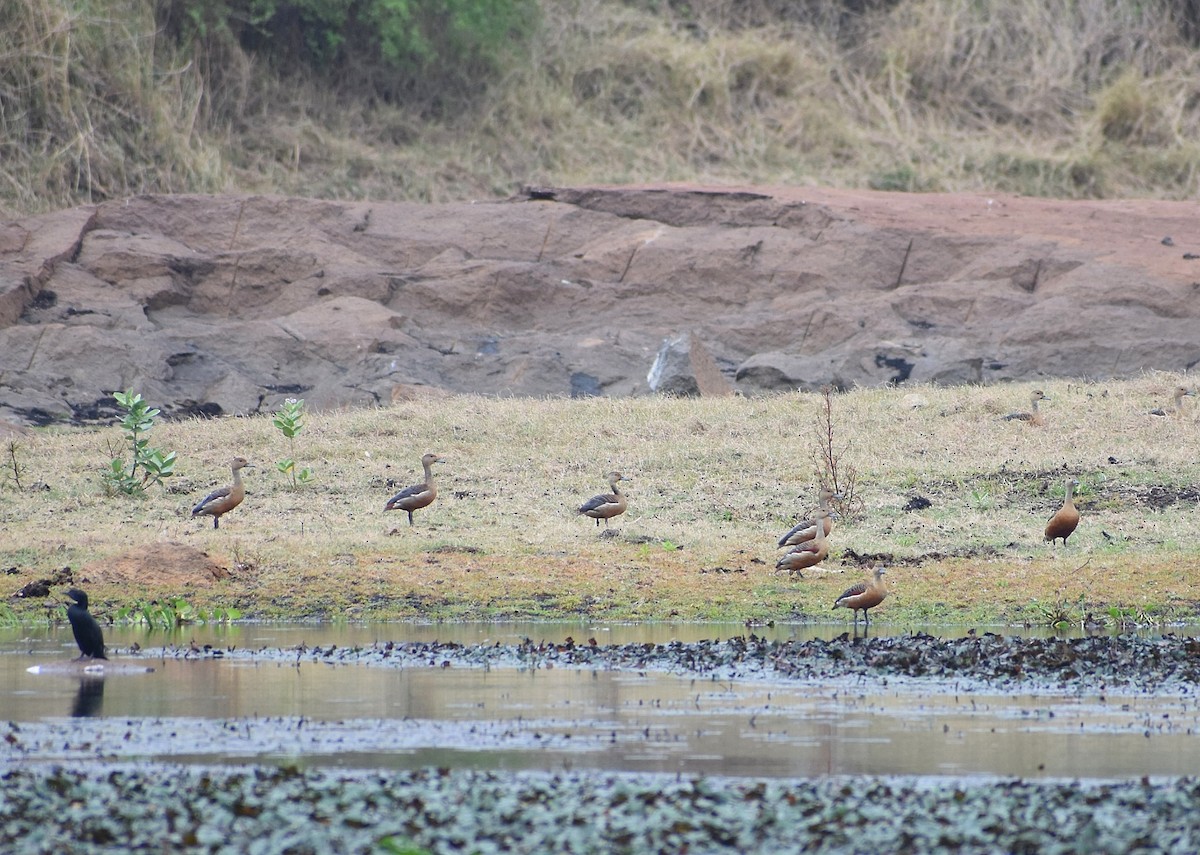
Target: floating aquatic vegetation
(268, 810)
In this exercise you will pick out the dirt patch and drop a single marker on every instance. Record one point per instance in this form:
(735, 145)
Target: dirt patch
(168, 565)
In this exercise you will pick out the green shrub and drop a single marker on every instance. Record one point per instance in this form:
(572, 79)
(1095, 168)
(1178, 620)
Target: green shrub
(289, 420)
(154, 463)
(394, 48)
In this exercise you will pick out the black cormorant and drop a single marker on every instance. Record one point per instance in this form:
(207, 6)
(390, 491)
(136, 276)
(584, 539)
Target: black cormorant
(87, 631)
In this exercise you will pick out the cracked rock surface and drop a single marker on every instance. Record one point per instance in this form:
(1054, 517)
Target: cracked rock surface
(229, 304)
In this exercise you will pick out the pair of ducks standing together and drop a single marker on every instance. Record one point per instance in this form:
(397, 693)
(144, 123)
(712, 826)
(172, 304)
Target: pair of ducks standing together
(602, 507)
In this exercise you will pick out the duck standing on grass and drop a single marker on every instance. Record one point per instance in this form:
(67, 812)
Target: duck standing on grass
(87, 632)
(864, 596)
(606, 505)
(418, 495)
(807, 529)
(1066, 518)
(809, 553)
(224, 499)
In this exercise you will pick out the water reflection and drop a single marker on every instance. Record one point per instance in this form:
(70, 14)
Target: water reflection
(89, 698)
(350, 715)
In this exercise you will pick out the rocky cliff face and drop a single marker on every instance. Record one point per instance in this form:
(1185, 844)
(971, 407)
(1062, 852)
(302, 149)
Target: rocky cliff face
(227, 304)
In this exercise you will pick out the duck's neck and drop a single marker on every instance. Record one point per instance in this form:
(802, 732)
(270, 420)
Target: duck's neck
(237, 476)
(1034, 402)
(1070, 494)
(428, 473)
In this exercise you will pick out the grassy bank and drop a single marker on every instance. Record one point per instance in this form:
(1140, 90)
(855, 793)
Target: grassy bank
(712, 484)
(1066, 99)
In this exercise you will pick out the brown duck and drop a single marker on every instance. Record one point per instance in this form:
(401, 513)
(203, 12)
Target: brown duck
(1177, 410)
(1033, 416)
(864, 596)
(606, 505)
(809, 553)
(224, 499)
(1065, 518)
(418, 495)
(806, 530)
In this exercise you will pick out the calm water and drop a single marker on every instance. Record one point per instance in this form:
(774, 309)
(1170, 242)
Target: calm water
(351, 715)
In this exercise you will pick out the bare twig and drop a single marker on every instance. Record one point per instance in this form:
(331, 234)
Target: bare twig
(13, 465)
(827, 459)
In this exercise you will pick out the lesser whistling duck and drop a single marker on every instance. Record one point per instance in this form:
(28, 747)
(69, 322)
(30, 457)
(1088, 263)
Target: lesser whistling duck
(807, 529)
(864, 596)
(225, 499)
(606, 505)
(84, 627)
(809, 553)
(1180, 392)
(1065, 518)
(418, 495)
(1033, 416)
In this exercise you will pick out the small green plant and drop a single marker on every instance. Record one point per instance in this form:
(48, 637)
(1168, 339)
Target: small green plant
(981, 499)
(1059, 614)
(172, 614)
(155, 465)
(289, 420)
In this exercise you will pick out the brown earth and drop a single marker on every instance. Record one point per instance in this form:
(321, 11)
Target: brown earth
(229, 304)
(166, 564)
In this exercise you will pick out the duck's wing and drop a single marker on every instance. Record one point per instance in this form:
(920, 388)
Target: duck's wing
(209, 499)
(852, 591)
(596, 502)
(407, 493)
(800, 532)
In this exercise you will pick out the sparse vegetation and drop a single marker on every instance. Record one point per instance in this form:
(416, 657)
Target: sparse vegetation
(13, 467)
(290, 421)
(156, 465)
(171, 614)
(434, 101)
(827, 456)
(502, 540)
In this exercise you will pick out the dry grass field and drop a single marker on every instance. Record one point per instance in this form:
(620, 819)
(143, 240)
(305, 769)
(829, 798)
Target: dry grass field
(712, 483)
(1088, 99)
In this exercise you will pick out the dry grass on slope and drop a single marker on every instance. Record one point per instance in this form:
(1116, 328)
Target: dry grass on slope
(1062, 98)
(712, 484)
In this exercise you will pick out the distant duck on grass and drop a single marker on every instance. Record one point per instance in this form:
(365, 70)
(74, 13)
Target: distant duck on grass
(1034, 416)
(1177, 409)
(809, 553)
(224, 499)
(606, 505)
(806, 529)
(864, 596)
(418, 495)
(1066, 518)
